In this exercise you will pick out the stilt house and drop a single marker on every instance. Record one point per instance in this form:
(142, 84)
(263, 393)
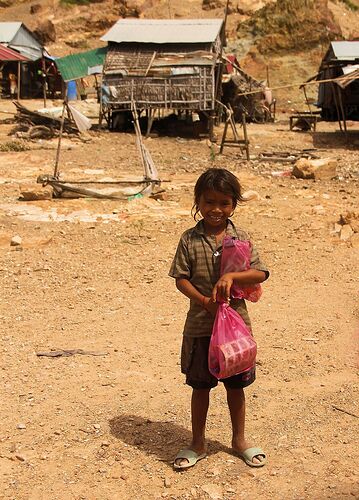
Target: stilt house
(171, 64)
(339, 99)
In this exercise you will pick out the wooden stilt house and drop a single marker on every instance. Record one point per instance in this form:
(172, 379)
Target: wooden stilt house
(339, 99)
(172, 64)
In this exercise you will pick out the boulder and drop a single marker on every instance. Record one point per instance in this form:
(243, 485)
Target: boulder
(321, 169)
(35, 8)
(45, 32)
(35, 192)
(129, 8)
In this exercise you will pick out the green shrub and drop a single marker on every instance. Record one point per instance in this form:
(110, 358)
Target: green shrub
(14, 146)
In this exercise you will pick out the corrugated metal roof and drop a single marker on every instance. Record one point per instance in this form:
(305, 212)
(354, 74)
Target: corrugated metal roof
(7, 54)
(18, 37)
(164, 31)
(77, 66)
(346, 50)
(8, 31)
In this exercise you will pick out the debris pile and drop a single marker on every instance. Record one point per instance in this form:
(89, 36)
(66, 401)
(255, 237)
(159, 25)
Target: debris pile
(35, 125)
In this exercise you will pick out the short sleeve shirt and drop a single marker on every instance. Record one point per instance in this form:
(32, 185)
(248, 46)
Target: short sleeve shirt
(198, 259)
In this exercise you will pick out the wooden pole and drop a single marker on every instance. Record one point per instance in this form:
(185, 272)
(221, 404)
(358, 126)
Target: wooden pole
(343, 114)
(43, 70)
(56, 169)
(336, 106)
(18, 79)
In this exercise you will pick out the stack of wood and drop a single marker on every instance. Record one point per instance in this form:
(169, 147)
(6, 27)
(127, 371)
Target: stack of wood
(36, 124)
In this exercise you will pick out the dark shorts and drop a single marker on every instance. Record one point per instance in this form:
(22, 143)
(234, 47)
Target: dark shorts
(194, 364)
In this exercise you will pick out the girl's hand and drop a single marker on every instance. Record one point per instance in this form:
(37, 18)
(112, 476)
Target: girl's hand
(210, 306)
(222, 289)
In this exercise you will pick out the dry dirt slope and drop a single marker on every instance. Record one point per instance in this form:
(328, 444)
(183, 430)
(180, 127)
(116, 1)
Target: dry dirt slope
(289, 37)
(107, 427)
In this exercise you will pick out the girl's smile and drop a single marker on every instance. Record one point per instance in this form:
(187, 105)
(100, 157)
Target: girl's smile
(216, 208)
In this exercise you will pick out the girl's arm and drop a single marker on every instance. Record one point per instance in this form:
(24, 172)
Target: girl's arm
(222, 288)
(186, 287)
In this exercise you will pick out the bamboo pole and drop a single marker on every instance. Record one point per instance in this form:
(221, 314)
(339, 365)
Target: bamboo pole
(56, 168)
(18, 79)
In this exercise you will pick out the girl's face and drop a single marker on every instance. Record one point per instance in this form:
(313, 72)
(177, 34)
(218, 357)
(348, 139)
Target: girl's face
(215, 208)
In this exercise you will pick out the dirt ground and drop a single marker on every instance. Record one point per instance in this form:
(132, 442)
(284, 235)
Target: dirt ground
(92, 275)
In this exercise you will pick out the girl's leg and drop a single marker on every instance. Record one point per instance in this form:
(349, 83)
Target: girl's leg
(199, 410)
(237, 409)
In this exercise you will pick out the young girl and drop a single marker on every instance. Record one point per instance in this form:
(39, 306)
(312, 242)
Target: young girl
(196, 268)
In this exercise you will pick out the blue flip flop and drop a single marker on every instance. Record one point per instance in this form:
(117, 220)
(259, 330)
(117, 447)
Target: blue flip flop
(248, 455)
(191, 456)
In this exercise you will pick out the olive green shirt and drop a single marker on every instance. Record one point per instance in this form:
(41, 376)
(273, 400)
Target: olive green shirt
(198, 259)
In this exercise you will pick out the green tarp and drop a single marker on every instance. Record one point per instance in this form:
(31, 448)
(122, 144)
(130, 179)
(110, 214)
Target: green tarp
(79, 65)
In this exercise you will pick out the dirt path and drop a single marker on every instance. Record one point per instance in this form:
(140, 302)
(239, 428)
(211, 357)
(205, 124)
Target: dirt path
(106, 427)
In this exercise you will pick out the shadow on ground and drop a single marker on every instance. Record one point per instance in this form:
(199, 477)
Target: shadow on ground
(337, 139)
(162, 439)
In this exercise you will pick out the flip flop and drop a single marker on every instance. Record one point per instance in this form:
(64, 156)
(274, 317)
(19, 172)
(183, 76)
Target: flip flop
(189, 455)
(248, 455)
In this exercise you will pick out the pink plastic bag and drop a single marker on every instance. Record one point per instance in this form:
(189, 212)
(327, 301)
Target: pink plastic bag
(236, 257)
(232, 349)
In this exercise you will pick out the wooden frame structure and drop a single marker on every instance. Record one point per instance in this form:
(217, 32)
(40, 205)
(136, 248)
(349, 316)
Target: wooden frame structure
(168, 71)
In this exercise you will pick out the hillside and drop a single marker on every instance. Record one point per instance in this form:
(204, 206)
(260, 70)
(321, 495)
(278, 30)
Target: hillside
(287, 38)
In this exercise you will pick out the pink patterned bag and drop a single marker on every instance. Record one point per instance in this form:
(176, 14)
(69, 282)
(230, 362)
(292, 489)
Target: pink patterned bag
(232, 349)
(236, 257)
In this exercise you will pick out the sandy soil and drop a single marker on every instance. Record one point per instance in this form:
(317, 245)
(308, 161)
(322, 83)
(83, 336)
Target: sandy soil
(92, 275)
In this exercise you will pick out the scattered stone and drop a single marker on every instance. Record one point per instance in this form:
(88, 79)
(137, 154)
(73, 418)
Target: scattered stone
(322, 169)
(16, 241)
(251, 196)
(213, 491)
(351, 218)
(161, 196)
(346, 232)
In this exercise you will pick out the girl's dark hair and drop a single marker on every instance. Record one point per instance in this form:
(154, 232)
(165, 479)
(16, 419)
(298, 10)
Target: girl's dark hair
(217, 179)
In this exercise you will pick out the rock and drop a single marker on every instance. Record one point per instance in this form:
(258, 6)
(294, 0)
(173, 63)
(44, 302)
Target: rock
(322, 169)
(21, 426)
(128, 8)
(213, 491)
(22, 458)
(167, 482)
(162, 196)
(45, 32)
(35, 8)
(351, 218)
(16, 241)
(251, 195)
(346, 232)
(220, 4)
(34, 192)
